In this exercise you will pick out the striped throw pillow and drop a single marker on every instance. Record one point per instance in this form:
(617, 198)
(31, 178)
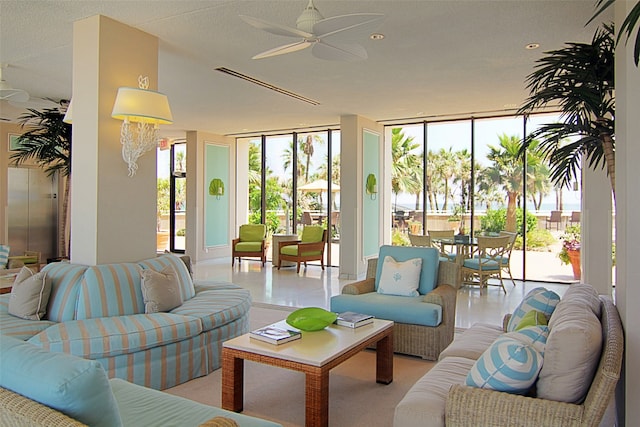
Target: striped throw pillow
(540, 299)
(508, 365)
(535, 336)
(4, 256)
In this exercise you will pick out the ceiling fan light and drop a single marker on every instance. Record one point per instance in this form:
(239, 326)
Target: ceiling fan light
(309, 17)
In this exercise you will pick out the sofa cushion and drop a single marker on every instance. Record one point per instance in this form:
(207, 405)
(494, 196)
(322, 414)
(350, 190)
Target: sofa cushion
(430, 262)
(158, 263)
(74, 386)
(508, 365)
(160, 290)
(65, 287)
(400, 277)
(30, 294)
(110, 290)
(571, 354)
(472, 342)
(144, 407)
(411, 310)
(112, 336)
(539, 299)
(581, 294)
(216, 306)
(425, 402)
(16, 327)
(248, 246)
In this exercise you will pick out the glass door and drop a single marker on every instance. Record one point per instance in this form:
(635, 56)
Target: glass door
(177, 191)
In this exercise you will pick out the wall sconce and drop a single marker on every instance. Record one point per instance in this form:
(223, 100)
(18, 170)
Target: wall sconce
(216, 188)
(142, 111)
(68, 115)
(371, 186)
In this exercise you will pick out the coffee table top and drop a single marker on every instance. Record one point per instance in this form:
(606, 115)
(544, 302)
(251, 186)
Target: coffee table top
(314, 348)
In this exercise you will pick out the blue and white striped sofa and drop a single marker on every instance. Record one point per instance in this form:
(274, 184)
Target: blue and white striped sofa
(97, 312)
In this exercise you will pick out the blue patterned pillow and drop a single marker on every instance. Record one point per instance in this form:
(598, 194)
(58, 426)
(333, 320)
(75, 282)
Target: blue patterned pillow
(400, 277)
(535, 336)
(507, 365)
(539, 299)
(4, 256)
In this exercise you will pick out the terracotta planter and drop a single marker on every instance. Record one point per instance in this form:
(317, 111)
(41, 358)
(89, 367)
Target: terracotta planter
(574, 257)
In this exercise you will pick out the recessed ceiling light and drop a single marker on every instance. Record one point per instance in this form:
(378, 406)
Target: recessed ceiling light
(376, 36)
(532, 46)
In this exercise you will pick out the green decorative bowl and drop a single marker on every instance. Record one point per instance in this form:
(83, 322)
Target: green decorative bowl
(311, 319)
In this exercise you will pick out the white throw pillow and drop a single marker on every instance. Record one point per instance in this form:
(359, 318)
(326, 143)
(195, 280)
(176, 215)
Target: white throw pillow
(160, 290)
(30, 295)
(400, 277)
(508, 365)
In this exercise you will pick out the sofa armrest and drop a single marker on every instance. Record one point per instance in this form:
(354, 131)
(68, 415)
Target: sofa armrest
(358, 288)
(449, 274)
(443, 295)
(16, 409)
(470, 406)
(505, 321)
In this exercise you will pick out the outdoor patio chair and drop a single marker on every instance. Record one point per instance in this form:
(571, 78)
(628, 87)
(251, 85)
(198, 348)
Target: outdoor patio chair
(252, 242)
(310, 247)
(419, 240)
(486, 262)
(555, 217)
(436, 235)
(575, 218)
(506, 259)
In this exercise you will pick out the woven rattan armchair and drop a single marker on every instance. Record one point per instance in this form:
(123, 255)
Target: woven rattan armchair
(471, 407)
(417, 340)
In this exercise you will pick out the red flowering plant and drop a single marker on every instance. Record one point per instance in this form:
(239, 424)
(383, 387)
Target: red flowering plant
(570, 242)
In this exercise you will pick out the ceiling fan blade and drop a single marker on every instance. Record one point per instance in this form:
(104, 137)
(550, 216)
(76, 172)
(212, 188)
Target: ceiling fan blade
(281, 50)
(350, 27)
(339, 51)
(278, 29)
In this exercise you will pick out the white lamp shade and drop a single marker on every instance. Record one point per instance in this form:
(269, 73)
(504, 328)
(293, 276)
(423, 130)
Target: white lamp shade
(68, 116)
(142, 106)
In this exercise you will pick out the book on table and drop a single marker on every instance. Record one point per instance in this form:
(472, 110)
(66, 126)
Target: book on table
(276, 334)
(352, 319)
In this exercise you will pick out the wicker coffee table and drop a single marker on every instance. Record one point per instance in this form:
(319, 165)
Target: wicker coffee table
(314, 355)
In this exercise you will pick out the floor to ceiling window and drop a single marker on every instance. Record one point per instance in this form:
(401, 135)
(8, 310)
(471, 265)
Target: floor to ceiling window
(277, 166)
(476, 182)
(171, 205)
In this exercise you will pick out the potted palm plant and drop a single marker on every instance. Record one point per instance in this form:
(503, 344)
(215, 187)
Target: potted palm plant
(47, 142)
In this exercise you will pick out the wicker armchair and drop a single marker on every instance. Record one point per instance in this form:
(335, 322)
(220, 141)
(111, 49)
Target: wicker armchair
(417, 340)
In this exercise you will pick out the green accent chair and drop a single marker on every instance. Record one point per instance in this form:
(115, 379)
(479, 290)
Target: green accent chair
(252, 242)
(310, 247)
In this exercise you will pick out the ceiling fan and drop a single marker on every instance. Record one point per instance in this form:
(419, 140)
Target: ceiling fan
(8, 93)
(330, 38)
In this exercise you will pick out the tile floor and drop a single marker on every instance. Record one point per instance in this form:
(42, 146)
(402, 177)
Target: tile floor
(314, 288)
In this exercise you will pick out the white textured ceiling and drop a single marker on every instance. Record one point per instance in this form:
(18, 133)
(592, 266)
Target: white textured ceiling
(438, 58)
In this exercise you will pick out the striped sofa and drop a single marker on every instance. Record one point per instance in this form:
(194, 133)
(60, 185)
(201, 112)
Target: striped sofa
(97, 312)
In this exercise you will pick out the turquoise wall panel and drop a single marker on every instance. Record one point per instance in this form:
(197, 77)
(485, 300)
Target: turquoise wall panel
(217, 161)
(370, 203)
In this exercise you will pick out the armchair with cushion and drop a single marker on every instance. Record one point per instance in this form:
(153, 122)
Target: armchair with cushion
(310, 247)
(424, 319)
(250, 243)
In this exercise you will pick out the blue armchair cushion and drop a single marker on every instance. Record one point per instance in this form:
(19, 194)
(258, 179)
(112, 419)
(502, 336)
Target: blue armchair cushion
(487, 264)
(411, 310)
(430, 260)
(76, 387)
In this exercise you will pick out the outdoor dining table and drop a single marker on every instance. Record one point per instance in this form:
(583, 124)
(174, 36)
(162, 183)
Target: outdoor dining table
(464, 246)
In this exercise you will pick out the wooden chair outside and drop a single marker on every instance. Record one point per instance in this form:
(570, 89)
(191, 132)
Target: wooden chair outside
(434, 235)
(252, 242)
(575, 218)
(420, 240)
(506, 259)
(554, 218)
(306, 218)
(486, 263)
(310, 247)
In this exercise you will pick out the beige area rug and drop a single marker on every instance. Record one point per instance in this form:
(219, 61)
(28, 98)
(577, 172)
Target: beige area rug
(277, 394)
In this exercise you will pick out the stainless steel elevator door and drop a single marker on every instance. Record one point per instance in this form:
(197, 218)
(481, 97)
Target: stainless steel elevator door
(32, 213)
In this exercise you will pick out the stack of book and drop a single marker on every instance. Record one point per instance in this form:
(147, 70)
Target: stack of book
(275, 334)
(351, 319)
